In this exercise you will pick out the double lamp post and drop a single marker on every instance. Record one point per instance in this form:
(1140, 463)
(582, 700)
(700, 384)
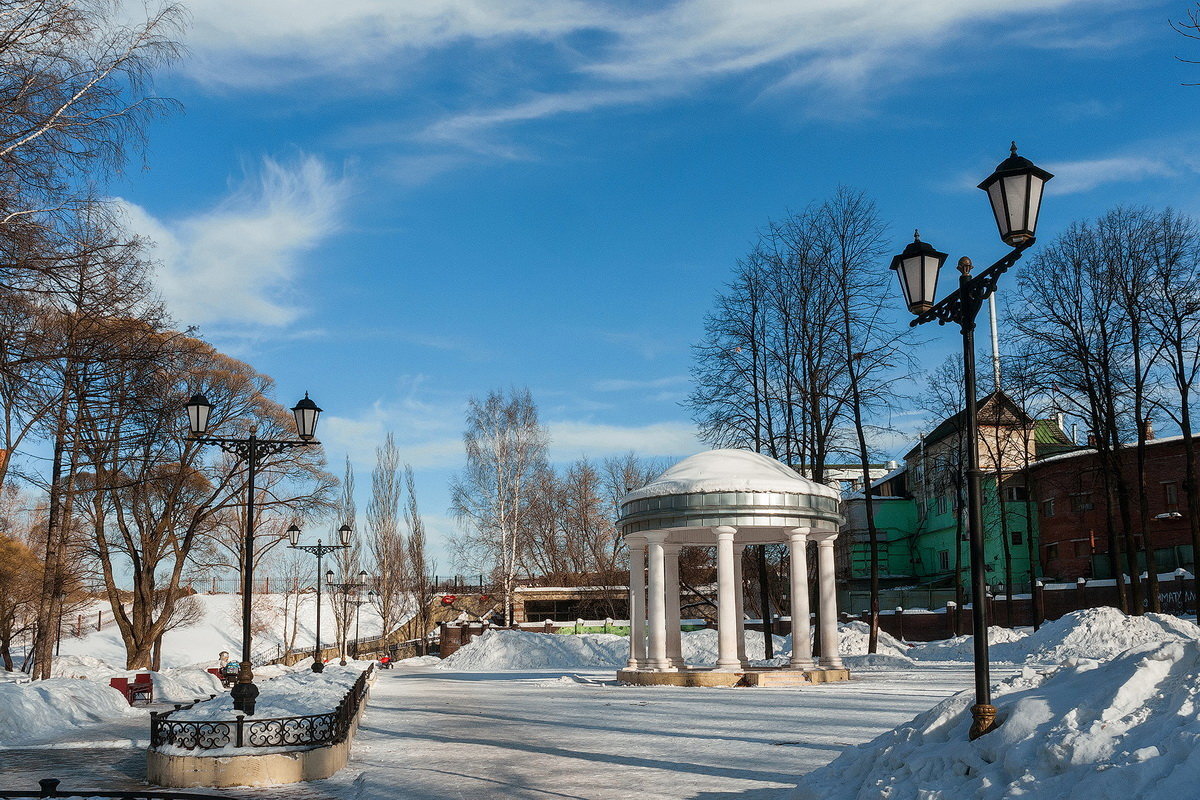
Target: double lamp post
(1015, 192)
(250, 449)
(319, 550)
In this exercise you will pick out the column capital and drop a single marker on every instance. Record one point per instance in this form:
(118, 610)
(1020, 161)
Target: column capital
(672, 548)
(799, 534)
(725, 532)
(823, 537)
(655, 537)
(635, 542)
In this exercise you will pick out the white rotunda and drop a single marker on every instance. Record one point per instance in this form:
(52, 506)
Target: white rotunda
(727, 499)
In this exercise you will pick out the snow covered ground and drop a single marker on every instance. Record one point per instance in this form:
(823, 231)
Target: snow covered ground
(221, 629)
(526, 715)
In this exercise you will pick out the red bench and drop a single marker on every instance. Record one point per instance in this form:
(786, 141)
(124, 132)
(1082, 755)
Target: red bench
(140, 687)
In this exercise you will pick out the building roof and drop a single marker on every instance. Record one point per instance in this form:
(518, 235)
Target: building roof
(729, 471)
(992, 410)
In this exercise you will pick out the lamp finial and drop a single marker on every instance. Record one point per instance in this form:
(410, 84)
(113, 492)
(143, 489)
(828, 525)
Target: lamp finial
(1013, 148)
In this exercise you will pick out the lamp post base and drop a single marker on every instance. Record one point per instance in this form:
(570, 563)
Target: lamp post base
(318, 665)
(984, 720)
(245, 695)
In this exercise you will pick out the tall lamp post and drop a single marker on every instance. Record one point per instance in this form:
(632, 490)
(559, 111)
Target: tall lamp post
(319, 550)
(345, 589)
(1015, 193)
(250, 449)
(358, 604)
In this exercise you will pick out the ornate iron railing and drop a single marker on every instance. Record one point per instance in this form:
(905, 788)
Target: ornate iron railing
(313, 730)
(49, 789)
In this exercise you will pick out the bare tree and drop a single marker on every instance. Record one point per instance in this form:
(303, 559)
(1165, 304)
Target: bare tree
(504, 443)
(385, 537)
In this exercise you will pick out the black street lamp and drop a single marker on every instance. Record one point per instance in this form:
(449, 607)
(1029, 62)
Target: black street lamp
(250, 449)
(358, 604)
(346, 589)
(319, 550)
(1015, 192)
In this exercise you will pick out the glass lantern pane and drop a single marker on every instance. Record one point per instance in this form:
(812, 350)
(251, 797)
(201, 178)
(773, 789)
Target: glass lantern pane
(1016, 192)
(910, 277)
(996, 197)
(1036, 185)
(929, 288)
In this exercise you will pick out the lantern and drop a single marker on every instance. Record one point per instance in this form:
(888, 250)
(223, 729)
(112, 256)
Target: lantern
(918, 268)
(344, 532)
(1015, 191)
(294, 535)
(198, 409)
(306, 413)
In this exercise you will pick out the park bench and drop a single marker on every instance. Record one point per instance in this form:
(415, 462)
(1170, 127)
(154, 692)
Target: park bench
(140, 687)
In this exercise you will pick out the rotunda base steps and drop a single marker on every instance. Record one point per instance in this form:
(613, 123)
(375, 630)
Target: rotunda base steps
(761, 676)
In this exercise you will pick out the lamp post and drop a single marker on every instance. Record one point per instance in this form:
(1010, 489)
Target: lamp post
(358, 604)
(345, 589)
(250, 449)
(319, 550)
(1015, 193)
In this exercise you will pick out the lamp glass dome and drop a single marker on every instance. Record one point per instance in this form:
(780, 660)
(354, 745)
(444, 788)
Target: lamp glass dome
(1015, 192)
(329, 576)
(198, 409)
(293, 533)
(344, 533)
(917, 268)
(306, 413)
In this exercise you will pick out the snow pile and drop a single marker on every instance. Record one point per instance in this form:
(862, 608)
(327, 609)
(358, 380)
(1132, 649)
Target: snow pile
(501, 649)
(853, 638)
(419, 661)
(878, 661)
(32, 711)
(183, 685)
(700, 647)
(293, 695)
(1087, 730)
(1099, 633)
(960, 648)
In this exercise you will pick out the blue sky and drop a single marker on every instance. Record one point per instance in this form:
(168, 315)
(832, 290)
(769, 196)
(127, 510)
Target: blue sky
(396, 205)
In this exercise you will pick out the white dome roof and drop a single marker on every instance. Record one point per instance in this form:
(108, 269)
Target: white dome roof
(730, 471)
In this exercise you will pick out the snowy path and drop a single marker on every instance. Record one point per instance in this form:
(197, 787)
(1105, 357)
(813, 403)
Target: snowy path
(433, 733)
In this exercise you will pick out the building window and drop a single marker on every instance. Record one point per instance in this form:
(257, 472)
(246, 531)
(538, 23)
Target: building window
(1083, 548)
(943, 503)
(1048, 507)
(1081, 502)
(1171, 496)
(1015, 494)
(1018, 537)
(1051, 552)
(944, 559)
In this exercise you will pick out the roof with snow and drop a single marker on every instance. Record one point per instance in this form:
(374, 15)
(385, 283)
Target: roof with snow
(738, 488)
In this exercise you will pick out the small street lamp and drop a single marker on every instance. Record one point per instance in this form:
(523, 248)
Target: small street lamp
(250, 449)
(319, 550)
(358, 604)
(346, 589)
(1015, 192)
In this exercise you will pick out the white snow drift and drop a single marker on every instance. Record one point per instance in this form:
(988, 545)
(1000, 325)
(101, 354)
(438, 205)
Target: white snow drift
(1086, 730)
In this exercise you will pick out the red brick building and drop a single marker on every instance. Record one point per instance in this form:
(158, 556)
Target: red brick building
(1072, 510)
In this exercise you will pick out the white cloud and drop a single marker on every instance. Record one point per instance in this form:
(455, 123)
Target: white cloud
(624, 385)
(571, 440)
(579, 56)
(1081, 176)
(237, 262)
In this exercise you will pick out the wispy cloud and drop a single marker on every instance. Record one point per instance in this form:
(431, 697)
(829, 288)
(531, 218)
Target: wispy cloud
(581, 56)
(625, 385)
(570, 440)
(1071, 177)
(237, 262)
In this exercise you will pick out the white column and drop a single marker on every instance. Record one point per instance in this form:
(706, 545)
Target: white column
(637, 603)
(828, 621)
(801, 627)
(739, 551)
(727, 650)
(656, 604)
(674, 636)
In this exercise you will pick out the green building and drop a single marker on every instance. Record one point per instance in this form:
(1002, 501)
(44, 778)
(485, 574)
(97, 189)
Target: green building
(920, 514)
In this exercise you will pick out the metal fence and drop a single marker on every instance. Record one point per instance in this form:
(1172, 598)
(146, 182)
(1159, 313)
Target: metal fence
(49, 788)
(313, 730)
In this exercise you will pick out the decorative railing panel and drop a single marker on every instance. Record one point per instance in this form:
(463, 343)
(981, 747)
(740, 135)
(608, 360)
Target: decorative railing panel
(49, 789)
(313, 730)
